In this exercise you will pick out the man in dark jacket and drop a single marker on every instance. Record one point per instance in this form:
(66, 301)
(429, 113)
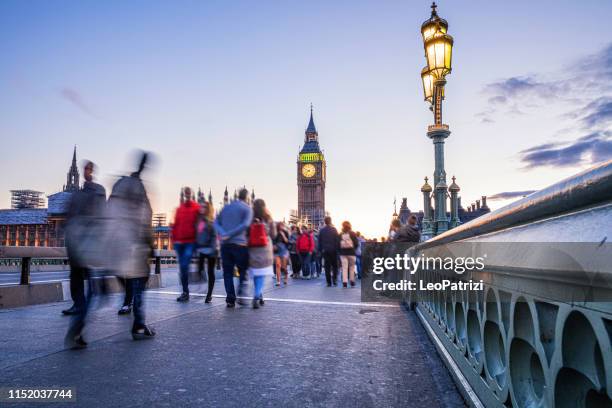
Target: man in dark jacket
(409, 232)
(231, 225)
(328, 248)
(83, 230)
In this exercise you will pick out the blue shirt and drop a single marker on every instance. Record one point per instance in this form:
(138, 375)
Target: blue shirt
(231, 224)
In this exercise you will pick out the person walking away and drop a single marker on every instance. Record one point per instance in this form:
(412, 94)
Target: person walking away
(347, 243)
(294, 256)
(231, 226)
(315, 269)
(409, 232)
(281, 253)
(129, 240)
(328, 247)
(128, 299)
(83, 245)
(305, 246)
(358, 252)
(184, 238)
(262, 233)
(207, 247)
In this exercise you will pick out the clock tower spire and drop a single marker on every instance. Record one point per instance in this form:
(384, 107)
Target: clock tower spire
(311, 175)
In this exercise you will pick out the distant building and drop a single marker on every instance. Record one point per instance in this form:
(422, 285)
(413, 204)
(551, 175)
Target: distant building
(35, 226)
(159, 220)
(472, 212)
(404, 212)
(162, 238)
(26, 199)
(72, 179)
(311, 178)
(161, 232)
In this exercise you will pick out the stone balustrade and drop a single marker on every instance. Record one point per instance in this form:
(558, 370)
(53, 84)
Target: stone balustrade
(539, 334)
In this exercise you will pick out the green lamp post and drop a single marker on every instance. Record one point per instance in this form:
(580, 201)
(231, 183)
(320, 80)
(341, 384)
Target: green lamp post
(438, 55)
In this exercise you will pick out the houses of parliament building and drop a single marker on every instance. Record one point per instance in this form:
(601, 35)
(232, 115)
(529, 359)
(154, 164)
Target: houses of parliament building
(28, 223)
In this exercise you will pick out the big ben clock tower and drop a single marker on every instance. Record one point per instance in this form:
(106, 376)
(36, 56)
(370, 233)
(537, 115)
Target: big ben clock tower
(311, 178)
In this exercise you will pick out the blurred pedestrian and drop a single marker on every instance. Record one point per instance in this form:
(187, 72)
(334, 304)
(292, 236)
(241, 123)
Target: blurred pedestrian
(262, 233)
(281, 252)
(84, 230)
(207, 246)
(328, 247)
(231, 226)
(305, 247)
(294, 256)
(315, 268)
(347, 243)
(358, 252)
(394, 229)
(184, 238)
(409, 232)
(128, 299)
(129, 240)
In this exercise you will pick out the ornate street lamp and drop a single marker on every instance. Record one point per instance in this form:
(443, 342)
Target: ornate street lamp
(438, 55)
(438, 47)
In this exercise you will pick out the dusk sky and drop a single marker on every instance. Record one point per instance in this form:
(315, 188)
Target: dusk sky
(220, 91)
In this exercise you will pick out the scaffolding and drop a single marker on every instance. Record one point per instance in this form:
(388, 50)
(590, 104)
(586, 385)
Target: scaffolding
(159, 220)
(26, 199)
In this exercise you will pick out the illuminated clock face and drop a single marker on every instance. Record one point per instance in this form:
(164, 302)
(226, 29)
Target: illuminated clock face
(309, 170)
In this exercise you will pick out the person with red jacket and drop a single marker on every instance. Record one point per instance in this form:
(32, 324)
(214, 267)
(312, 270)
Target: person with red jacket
(184, 238)
(305, 248)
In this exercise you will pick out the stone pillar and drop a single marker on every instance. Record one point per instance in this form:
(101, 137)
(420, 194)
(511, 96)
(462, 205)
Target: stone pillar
(454, 192)
(438, 133)
(427, 222)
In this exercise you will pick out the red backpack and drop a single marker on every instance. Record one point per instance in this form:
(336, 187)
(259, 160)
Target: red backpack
(258, 237)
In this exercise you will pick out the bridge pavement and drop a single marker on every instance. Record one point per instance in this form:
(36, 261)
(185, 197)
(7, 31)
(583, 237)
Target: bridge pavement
(308, 346)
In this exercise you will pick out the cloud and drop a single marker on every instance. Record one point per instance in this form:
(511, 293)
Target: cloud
(583, 88)
(506, 195)
(76, 99)
(526, 86)
(598, 113)
(590, 149)
(598, 67)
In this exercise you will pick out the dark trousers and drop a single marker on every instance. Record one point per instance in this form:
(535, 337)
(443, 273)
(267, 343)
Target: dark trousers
(129, 291)
(210, 269)
(330, 260)
(138, 286)
(305, 260)
(77, 284)
(233, 255)
(184, 252)
(80, 299)
(316, 263)
(296, 265)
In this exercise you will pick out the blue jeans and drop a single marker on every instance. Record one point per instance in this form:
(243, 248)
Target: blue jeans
(258, 285)
(358, 262)
(305, 258)
(233, 255)
(184, 252)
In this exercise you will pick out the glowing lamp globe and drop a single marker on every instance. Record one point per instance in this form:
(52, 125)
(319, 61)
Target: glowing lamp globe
(439, 52)
(433, 25)
(428, 84)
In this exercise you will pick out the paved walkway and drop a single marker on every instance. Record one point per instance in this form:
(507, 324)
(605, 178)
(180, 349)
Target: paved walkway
(308, 346)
